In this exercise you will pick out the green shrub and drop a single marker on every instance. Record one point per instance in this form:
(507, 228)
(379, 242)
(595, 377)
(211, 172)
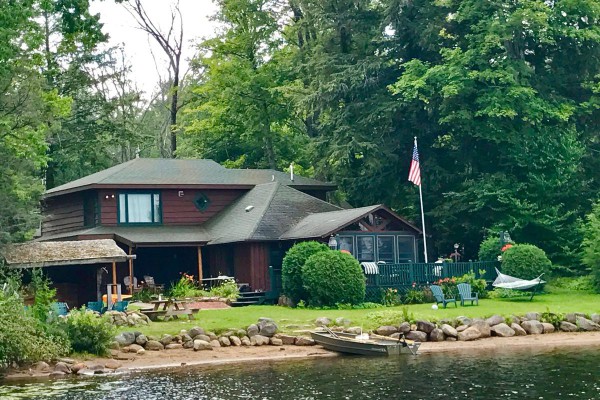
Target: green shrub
(88, 333)
(291, 269)
(390, 297)
(477, 285)
(499, 293)
(582, 283)
(332, 277)
(490, 248)
(44, 295)
(23, 338)
(525, 261)
(184, 287)
(591, 244)
(227, 289)
(414, 296)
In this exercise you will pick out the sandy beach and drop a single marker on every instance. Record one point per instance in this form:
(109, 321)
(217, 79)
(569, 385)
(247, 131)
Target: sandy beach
(180, 358)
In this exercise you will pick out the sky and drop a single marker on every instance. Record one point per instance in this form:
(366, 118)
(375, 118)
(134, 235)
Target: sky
(121, 27)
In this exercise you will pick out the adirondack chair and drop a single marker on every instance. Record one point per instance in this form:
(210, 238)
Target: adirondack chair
(120, 306)
(150, 284)
(59, 309)
(97, 306)
(464, 290)
(439, 296)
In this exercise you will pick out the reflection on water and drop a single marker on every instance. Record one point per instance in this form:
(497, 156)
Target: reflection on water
(526, 375)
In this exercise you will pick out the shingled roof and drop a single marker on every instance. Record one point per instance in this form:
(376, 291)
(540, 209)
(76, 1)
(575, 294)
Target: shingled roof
(201, 173)
(264, 213)
(45, 254)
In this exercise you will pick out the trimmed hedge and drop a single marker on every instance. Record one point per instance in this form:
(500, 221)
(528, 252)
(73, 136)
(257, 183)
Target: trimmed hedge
(291, 269)
(332, 277)
(525, 261)
(490, 249)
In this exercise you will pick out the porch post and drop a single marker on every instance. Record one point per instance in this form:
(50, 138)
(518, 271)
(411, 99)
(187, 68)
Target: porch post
(199, 263)
(130, 272)
(114, 276)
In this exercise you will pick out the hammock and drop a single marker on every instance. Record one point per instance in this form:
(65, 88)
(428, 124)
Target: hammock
(509, 282)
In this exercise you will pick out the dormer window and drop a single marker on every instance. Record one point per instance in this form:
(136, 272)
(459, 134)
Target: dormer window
(139, 208)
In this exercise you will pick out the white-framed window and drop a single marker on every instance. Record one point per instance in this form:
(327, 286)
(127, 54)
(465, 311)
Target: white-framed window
(365, 248)
(386, 250)
(139, 208)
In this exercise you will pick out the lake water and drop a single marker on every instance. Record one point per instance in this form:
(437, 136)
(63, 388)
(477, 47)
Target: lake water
(566, 374)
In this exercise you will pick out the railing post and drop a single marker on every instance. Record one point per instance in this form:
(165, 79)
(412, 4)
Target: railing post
(444, 269)
(472, 269)
(411, 273)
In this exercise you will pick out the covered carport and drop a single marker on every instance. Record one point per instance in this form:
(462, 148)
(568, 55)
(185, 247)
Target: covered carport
(79, 270)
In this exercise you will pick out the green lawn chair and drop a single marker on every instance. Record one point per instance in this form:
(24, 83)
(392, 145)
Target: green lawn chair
(59, 309)
(464, 290)
(120, 306)
(97, 306)
(439, 296)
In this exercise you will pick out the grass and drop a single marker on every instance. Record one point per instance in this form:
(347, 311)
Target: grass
(290, 320)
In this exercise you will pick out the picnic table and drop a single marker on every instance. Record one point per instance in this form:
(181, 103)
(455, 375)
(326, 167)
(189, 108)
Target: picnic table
(169, 308)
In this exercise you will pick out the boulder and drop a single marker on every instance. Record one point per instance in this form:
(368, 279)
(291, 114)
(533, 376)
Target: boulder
(419, 336)
(532, 316)
(461, 328)
(57, 374)
(495, 320)
(228, 333)
(201, 345)
(62, 367)
(66, 360)
(586, 325)
(276, 342)
(252, 330)
(436, 335)
(425, 326)
(451, 339)
(41, 366)
(195, 331)
(112, 364)
(482, 327)
(322, 321)
(235, 341)
(386, 330)
(125, 338)
(572, 317)
(188, 345)
(515, 319)
(75, 368)
(449, 330)
(173, 346)
(404, 327)
(225, 342)
(212, 335)
(397, 335)
(114, 345)
(341, 321)
(140, 351)
(259, 340)
(286, 339)
(548, 328)
(241, 333)
(304, 341)
(502, 330)
(595, 318)
(186, 338)
(354, 329)
(463, 320)
(568, 327)
(471, 333)
(263, 321)
(246, 341)
(533, 327)
(215, 343)
(267, 329)
(154, 345)
(133, 348)
(141, 340)
(518, 330)
(166, 339)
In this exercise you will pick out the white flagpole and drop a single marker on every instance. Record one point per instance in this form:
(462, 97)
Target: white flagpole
(422, 212)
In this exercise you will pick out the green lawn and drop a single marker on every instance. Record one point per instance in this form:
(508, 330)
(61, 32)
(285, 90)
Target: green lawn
(290, 320)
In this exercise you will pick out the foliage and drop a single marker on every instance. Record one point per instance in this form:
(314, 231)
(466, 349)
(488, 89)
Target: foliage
(500, 293)
(144, 295)
(448, 286)
(414, 296)
(525, 261)
(291, 269)
(477, 285)
(44, 295)
(184, 287)
(390, 297)
(88, 332)
(582, 283)
(227, 289)
(591, 244)
(490, 248)
(22, 337)
(331, 277)
(552, 318)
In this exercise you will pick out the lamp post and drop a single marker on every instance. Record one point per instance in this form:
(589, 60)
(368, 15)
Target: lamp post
(456, 254)
(332, 243)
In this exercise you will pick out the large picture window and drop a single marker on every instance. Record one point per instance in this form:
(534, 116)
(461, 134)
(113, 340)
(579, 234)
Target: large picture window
(366, 248)
(346, 243)
(385, 249)
(406, 249)
(139, 208)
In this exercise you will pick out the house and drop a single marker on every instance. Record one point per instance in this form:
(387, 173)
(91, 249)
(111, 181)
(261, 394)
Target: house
(198, 217)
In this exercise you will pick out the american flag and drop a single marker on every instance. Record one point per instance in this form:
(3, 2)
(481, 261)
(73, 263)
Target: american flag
(414, 175)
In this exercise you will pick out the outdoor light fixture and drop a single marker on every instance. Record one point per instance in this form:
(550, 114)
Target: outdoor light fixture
(332, 243)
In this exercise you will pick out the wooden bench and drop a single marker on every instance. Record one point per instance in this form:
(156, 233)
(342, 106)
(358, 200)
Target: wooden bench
(154, 314)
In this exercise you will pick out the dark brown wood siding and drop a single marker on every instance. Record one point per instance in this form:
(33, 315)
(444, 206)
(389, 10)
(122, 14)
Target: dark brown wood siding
(181, 210)
(251, 262)
(62, 214)
(108, 207)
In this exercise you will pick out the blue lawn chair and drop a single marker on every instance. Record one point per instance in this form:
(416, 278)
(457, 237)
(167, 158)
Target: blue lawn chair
(60, 309)
(97, 306)
(464, 289)
(438, 294)
(120, 306)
